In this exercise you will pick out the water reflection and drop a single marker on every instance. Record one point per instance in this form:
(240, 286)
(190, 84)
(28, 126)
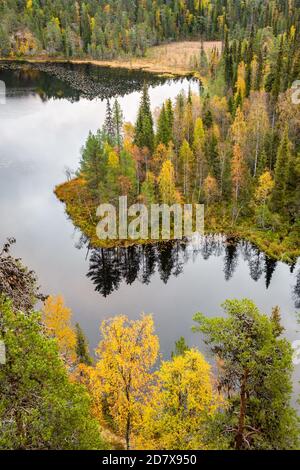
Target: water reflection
(73, 81)
(108, 268)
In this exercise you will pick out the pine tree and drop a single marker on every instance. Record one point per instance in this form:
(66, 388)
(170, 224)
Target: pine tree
(256, 374)
(40, 408)
(180, 347)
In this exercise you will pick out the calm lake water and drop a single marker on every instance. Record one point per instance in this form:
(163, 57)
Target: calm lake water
(43, 125)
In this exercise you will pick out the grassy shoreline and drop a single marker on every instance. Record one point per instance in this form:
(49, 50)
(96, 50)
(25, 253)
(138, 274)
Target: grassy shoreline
(82, 211)
(172, 59)
(114, 64)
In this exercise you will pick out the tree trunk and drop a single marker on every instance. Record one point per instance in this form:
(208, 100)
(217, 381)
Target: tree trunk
(239, 438)
(128, 431)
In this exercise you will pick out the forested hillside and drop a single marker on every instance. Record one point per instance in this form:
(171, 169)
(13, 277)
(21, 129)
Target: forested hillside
(234, 147)
(105, 29)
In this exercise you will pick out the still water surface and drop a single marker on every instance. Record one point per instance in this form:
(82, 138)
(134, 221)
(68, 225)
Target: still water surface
(42, 128)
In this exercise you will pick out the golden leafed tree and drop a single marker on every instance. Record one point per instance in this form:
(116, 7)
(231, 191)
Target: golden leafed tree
(166, 184)
(57, 319)
(182, 403)
(121, 381)
(211, 190)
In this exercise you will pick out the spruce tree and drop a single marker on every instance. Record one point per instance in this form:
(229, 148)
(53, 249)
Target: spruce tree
(108, 127)
(82, 347)
(276, 86)
(118, 120)
(281, 172)
(163, 130)
(170, 117)
(92, 164)
(144, 134)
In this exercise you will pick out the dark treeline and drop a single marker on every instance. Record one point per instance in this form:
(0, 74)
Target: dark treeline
(111, 28)
(111, 266)
(73, 81)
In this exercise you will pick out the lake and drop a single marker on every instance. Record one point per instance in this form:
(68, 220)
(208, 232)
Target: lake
(44, 123)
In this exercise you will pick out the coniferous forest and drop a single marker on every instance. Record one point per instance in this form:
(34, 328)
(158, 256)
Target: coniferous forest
(109, 28)
(232, 143)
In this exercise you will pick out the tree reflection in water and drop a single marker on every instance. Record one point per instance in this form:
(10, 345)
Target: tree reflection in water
(109, 267)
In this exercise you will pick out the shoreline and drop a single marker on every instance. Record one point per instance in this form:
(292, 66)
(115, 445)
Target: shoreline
(69, 192)
(134, 65)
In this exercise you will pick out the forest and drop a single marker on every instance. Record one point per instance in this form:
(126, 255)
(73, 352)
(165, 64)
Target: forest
(234, 147)
(106, 29)
(125, 396)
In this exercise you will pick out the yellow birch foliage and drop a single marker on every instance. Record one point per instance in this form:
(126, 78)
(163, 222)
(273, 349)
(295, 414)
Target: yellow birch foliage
(121, 381)
(264, 188)
(241, 83)
(237, 171)
(239, 128)
(166, 183)
(182, 403)
(57, 319)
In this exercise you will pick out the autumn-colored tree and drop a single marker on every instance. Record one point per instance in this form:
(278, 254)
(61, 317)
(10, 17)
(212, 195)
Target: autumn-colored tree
(187, 161)
(198, 148)
(183, 401)
(121, 382)
(263, 192)
(166, 183)
(148, 188)
(257, 127)
(159, 157)
(239, 128)
(210, 188)
(57, 319)
(240, 85)
(112, 174)
(189, 120)
(238, 172)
